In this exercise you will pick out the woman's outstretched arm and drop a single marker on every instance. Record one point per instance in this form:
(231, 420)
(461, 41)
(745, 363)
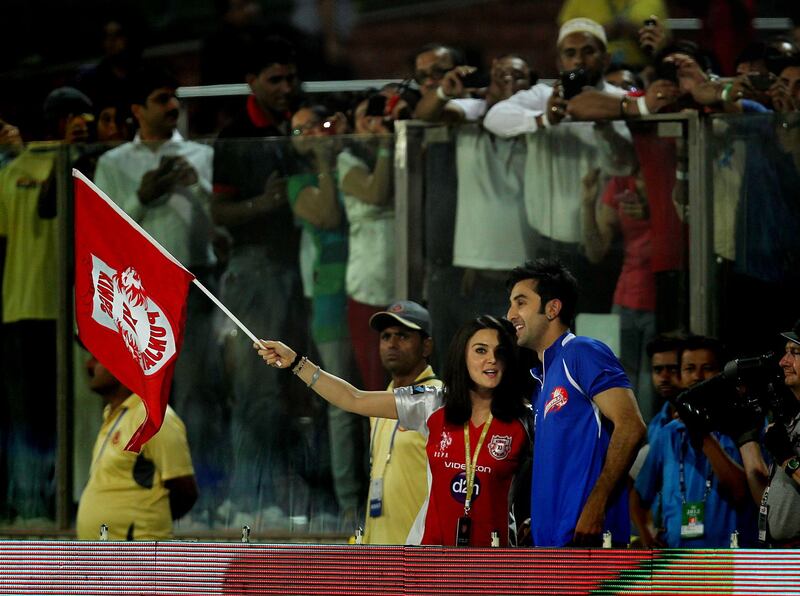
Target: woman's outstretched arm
(340, 393)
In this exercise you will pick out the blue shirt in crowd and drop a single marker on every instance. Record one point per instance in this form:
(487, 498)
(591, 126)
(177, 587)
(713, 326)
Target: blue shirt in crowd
(661, 472)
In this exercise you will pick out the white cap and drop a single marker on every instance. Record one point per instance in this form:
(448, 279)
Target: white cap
(582, 25)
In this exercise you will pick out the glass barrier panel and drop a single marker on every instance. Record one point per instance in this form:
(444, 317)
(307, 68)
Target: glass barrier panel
(597, 197)
(755, 186)
(29, 221)
(296, 237)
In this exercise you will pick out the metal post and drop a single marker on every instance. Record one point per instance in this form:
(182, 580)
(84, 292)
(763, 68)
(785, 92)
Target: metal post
(64, 340)
(408, 192)
(701, 228)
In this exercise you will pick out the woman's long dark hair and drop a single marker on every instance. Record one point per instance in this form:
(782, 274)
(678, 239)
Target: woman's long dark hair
(508, 398)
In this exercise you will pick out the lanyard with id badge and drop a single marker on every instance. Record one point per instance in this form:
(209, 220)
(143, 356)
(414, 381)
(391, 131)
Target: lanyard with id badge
(376, 482)
(692, 512)
(375, 496)
(464, 523)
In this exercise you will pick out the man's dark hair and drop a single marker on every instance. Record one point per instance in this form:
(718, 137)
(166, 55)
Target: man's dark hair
(457, 56)
(663, 343)
(617, 66)
(507, 398)
(553, 280)
(702, 342)
(793, 61)
(684, 46)
(147, 80)
(265, 52)
(753, 52)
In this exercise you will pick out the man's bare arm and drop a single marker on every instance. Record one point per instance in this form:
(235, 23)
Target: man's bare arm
(619, 405)
(730, 475)
(755, 468)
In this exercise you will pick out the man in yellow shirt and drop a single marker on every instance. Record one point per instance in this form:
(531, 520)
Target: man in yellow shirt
(28, 225)
(136, 495)
(398, 463)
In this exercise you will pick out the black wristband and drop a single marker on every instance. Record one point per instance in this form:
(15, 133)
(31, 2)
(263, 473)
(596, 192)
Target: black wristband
(297, 358)
(748, 436)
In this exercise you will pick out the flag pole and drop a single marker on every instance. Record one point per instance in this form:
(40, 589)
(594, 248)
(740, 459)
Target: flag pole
(224, 309)
(78, 174)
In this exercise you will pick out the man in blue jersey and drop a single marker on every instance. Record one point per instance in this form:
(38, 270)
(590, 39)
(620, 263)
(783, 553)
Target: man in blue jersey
(699, 474)
(587, 423)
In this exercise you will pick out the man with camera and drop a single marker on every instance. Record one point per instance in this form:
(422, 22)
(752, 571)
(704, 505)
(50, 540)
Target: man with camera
(697, 472)
(555, 152)
(164, 183)
(776, 488)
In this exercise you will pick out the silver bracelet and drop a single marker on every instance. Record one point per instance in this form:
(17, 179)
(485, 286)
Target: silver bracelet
(296, 370)
(314, 377)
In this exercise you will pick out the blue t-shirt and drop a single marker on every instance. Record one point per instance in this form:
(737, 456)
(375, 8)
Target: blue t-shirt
(661, 472)
(571, 439)
(659, 421)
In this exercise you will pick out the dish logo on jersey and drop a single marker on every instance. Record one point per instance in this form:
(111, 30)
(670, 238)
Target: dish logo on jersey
(558, 399)
(444, 442)
(500, 446)
(121, 303)
(458, 488)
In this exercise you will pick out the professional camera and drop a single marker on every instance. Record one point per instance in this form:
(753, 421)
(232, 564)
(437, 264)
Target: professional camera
(747, 390)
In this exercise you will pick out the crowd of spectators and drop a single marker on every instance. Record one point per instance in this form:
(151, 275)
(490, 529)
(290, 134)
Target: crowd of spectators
(297, 235)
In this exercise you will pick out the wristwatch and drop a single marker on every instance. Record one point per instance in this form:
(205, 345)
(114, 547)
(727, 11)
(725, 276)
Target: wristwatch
(792, 465)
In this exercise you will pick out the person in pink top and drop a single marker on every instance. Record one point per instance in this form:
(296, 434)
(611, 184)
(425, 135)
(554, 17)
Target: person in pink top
(623, 210)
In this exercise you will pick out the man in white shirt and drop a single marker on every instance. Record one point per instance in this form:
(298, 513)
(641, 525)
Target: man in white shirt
(490, 175)
(559, 154)
(164, 183)
(159, 179)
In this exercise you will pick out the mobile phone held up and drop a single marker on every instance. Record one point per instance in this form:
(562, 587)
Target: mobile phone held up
(475, 80)
(648, 48)
(573, 82)
(761, 82)
(667, 71)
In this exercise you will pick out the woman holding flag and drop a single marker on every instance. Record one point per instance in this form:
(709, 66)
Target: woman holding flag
(476, 441)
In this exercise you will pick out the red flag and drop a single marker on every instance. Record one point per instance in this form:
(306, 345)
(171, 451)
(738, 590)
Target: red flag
(130, 301)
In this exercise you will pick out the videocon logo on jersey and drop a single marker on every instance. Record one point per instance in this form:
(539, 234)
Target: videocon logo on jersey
(120, 302)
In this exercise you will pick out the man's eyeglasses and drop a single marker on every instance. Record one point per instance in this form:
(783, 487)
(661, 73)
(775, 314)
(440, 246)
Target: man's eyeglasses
(300, 130)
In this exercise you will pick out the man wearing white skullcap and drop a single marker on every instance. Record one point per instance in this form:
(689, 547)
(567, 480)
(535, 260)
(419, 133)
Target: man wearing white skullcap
(558, 156)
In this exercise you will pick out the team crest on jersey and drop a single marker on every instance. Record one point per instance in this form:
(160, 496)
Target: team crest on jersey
(115, 438)
(558, 399)
(445, 441)
(120, 303)
(500, 446)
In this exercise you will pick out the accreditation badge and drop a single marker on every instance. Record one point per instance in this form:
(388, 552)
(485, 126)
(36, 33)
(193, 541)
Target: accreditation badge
(692, 518)
(376, 497)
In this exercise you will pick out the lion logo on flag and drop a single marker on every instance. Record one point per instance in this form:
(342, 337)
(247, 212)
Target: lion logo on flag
(121, 303)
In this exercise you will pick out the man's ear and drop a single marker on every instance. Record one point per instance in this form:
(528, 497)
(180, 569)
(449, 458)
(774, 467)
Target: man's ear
(427, 347)
(136, 110)
(552, 309)
(249, 78)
